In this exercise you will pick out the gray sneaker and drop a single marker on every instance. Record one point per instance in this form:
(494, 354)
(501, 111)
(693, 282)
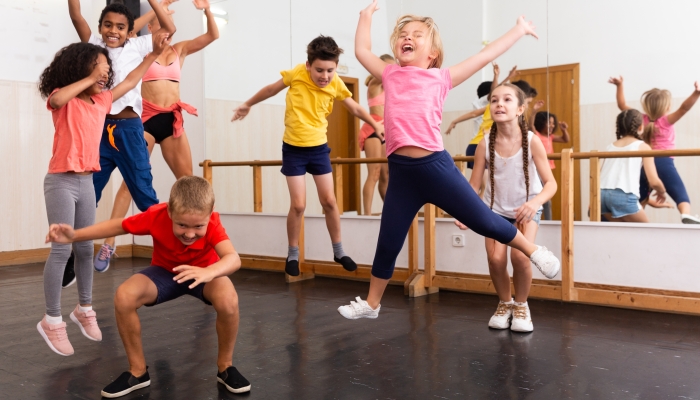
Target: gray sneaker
(103, 257)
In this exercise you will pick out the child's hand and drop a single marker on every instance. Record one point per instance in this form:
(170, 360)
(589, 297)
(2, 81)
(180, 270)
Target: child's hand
(527, 27)
(563, 126)
(450, 128)
(101, 72)
(697, 86)
(201, 4)
(496, 69)
(538, 105)
(240, 112)
(371, 8)
(527, 212)
(461, 226)
(616, 81)
(188, 273)
(380, 130)
(160, 42)
(60, 233)
(513, 74)
(658, 200)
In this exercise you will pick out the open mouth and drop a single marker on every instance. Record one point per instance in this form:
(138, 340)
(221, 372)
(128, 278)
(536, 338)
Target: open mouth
(113, 39)
(101, 84)
(499, 112)
(407, 48)
(188, 241)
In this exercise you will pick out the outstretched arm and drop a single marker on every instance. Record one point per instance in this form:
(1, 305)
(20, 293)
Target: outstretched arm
(564, 137)
(620, 94)
(166, 23)
(363, 43)
(360, 112)
(142, 21)
(67, 93)
(81, 26)
(229, 262)
(263, 94)
(462, 71)
(64, 233)
(686, 106)
(535, 108)
(160, 42)
(192, 46)
(465, 117)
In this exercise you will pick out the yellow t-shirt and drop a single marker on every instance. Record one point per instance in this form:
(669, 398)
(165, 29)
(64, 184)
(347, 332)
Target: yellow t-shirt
(485, 126)
(308, 106)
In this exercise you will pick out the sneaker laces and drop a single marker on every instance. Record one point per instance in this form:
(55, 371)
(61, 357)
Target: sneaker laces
(503, 309)
(106, 252)
(91, 317)
(520, 312)
(59, 330)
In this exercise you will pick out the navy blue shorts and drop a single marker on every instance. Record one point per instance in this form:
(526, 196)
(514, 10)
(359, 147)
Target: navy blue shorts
(130, 154)
(297, 160)
(666, 169)
(168, 289)
(471, 150)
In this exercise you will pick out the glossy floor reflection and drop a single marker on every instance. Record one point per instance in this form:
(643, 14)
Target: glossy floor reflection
(294, 345)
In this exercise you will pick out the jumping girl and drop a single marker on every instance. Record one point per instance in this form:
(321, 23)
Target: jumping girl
(73, 85)
(420, 170)
(660, 134)
(162, 114)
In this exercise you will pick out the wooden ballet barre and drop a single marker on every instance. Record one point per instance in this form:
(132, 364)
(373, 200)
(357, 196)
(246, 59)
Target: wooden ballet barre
(633, 154)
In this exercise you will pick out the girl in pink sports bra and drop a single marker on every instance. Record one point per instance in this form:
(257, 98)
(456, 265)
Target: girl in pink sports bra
(162, 109)
(373, 144)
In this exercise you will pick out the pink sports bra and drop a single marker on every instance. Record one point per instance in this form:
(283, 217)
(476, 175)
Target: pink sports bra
(377, 101)
(157, 72)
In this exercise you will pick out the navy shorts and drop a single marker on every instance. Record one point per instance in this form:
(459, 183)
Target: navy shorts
(127, 150)
(168, 289)
(471, 150)
(297, 160)
(666, 169)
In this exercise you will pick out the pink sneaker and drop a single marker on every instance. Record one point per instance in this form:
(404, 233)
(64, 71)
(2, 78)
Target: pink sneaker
(55, 336)
(87, 322)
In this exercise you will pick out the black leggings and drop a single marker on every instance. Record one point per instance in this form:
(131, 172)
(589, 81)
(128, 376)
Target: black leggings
(433, 179)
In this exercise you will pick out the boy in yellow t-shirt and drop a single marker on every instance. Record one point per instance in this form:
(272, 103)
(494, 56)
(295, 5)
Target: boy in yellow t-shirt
(313, 87)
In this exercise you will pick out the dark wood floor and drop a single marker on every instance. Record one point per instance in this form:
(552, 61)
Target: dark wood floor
(294, 345)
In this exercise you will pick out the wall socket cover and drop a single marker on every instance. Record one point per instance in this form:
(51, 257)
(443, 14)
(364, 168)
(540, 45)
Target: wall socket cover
(342, 69)
(458, 240)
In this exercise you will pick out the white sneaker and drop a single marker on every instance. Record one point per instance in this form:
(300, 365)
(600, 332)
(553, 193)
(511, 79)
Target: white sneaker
(358, 309)
(690, 219)
(501, 318)
(546, 262)
(522, 321)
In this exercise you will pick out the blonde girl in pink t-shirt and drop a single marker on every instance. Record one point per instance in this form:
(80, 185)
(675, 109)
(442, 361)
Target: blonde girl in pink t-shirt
(76, 85)
(420, 170)
(660, 134)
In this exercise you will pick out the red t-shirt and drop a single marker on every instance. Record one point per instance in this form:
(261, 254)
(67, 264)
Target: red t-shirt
(168, 250)
(79, 125)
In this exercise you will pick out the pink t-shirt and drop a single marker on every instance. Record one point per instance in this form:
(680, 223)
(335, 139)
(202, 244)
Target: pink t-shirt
(548, 142)
(79, 125)
(413, 108)
(665, 135)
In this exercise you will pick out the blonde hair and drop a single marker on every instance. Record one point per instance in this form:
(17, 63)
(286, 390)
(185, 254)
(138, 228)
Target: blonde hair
(191, 194)
(433, 32)
(655, 103)
(385, 58)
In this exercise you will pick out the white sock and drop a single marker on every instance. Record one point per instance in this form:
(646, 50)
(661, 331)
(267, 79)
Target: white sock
(54, 320)
(84, 309)
(508, 302)
(521, 304)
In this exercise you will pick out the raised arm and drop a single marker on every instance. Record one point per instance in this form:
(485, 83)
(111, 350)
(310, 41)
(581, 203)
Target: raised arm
(263, 94)
(81, 26)
(465, 117)
(620, 93)
(360, 112)
(64, 233)
(686, 106)
(160, 42)
(67, 93)
(142, 21)
(166, 22)
(462, 71)
(363, 43)
(192, 46)
(496, 73)
(564, 137)
(535, 108)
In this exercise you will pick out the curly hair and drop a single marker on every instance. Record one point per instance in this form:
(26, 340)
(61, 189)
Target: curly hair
(323, 48)
(628, 123)
(71, 64)
(542, 122)
(525, 145)
(118, 8)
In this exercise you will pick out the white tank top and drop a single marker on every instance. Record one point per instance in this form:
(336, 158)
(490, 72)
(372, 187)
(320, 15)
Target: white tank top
(622, 173)
(509, 179)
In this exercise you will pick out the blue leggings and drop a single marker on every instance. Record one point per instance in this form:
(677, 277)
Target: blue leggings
(668, 174)
(433, 179)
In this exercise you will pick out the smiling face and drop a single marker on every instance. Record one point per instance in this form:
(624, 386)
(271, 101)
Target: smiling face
(97, 87)
(551, 125)
(504, 104)
(414, 45)
(189, 227)
(322, 71)
(114, 29)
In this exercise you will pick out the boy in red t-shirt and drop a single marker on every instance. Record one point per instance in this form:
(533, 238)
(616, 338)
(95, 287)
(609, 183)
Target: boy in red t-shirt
(191, 255)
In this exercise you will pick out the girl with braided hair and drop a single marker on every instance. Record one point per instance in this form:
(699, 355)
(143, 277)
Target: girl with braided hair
(517, 164)
(619, 177)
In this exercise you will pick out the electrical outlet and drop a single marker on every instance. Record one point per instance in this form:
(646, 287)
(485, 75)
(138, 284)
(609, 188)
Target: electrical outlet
(458, 240)
(342, 69)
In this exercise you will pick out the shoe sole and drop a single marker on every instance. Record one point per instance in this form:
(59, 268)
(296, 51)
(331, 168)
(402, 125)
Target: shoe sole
(127, 391)
(104, 270)
(233, 390)
(520, 330)
(689, 221)
(46, 339)
(368, 317)
(77, 322)
(70, 283)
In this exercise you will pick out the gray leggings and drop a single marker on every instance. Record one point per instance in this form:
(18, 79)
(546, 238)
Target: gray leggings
(70, 199)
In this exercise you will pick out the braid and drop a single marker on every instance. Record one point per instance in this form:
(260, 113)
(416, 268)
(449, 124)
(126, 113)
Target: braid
(627, 124)
(492, 164)
(526, 156)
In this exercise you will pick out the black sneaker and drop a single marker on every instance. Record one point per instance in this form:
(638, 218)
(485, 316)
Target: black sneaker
(291, 267)
(233, 380)
(69, 272)
(125, 384)
(346, 262)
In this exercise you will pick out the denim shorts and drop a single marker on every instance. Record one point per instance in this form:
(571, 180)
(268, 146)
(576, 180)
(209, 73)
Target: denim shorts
(168, 289)
(297, 160)
(536, 218)
(618, 203)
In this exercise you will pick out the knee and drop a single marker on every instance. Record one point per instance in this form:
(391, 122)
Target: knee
(373, 174)
(125, 299)
(226, 303)
(297, 209)
(497, 263)
(83, 249)
(328, 202)
(521, 263)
